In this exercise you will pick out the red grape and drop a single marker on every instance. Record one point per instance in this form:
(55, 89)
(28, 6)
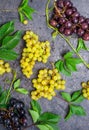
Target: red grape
(62, 20)
(69, 12)
(81, 19)
(84, 25)
(80, 32)
(86, 36)
(53, 22)
(68, 24)
(67, 32)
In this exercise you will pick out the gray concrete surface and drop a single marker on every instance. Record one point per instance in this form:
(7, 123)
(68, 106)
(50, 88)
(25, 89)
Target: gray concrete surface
(38, 25)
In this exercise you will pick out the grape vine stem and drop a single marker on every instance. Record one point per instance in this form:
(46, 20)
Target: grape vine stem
(11, 85)
(62, 36)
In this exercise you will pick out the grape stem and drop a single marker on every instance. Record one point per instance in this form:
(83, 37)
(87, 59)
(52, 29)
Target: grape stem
(8, 10)
(11, 85)
(62, 99)
(62, 36)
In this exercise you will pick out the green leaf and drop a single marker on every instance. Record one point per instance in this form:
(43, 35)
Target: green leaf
(27, 13)
(42, 127)
(22, 17)
(77, 110)
(66, 96)
(75, 95)
(48, 117)
(0, 90)
(10, 42)
(50, 127)
(17, 84)
(78, 100)
(81, 45)
(63, 69)
(6, 29)
(35, 115)
(3, 105)
(68, 55)
(8, 54)
(57, 64)
(70, 67)
(3, 97)
(54, 34)
(35, 106)
(75, 60)
(24, 3)
(22, 91)
(68, 116)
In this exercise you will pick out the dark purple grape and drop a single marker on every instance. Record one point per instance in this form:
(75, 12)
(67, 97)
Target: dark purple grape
(64, 15)
(84, 25)
(68, 24)
(81, 19)
(67, 32)
(61, 29)
(74, 9)
(7, 122)
(76, 14)
(87, 20)
(58, 25)
(60, 3)
(53, 23)
(1, 120)
(68, 3)
(69, 12)
(80, 32)
(24, 121)
(62, 20)
(22, 112)
(12, 101)
(75, 20)
(86, 36)
(15, 118)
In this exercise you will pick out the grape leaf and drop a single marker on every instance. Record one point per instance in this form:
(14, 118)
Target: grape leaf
(70, 67)
(78, 100)
(8, 54)
(66, 96)
(35, 106)
(68, 116)
(75, 95)
(22, 91)
(42, 127)
(25, 11)
(81, 45)
(17, 84)
(6, 29)
(68, 55)
(48, 117)
(10, 42)
(77, 110)
(35, 115)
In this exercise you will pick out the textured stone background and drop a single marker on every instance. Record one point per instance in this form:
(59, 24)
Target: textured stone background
(38, 25)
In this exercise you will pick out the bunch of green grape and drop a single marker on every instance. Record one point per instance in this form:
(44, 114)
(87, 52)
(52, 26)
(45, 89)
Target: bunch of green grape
(4, 67)
(34, 51)
(47, 82)
(85, 89)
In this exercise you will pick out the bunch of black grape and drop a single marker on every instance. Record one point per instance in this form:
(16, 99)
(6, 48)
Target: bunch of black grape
(68, 20)
(14, 117)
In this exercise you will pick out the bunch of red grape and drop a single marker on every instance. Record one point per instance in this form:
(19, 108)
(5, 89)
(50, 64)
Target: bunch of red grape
(14, 117)
(68, 20)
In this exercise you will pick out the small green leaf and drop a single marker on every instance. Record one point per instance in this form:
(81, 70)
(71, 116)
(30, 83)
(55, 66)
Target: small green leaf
(24, 3)
(70, 67)
(57, 64)
(68, 55)
(63, 69)
(75, 60)
(21, 16)
(6, 29)
(22, 91)
(50, 127)
(8, 54)
(27, 14)
(78, 100)
(75, 95)
(77, 110)
(0, 90)
(3, 97)
(48, 117)
(42, 127)
(35, 115)
(35, 106)
(81, 45)
(17, 84)
(66, 96)
(10, 42)
(54, 34)
(68, 116)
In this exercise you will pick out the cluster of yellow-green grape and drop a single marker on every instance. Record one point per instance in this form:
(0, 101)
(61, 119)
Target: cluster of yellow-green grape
(34, 51)
(47, 82)
(85, 89)
(4, 67)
